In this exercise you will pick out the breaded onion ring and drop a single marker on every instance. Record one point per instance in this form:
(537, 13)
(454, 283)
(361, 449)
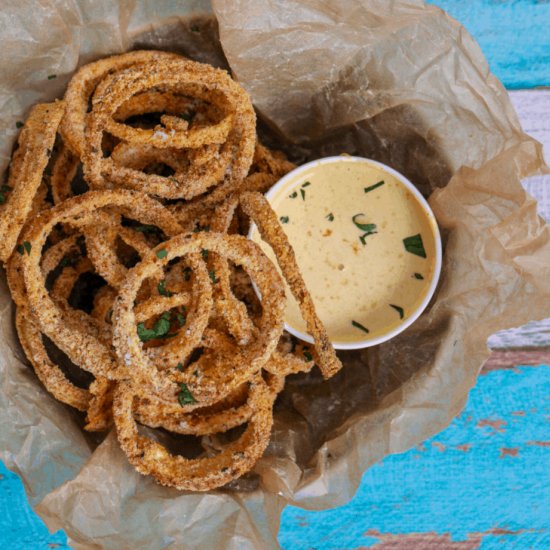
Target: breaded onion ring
(79, 341)
(208, 382)
(82, 86)
(257, 207)
(203, 473)
(235, 132)
(29, 162)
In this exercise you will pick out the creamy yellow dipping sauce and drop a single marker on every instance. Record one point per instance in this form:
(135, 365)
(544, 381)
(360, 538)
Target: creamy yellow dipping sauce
(360, 237)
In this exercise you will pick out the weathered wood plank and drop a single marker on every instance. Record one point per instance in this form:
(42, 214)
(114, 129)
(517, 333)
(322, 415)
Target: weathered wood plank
(512, 34)
(510, 359)
(478, 484)
(533, 108)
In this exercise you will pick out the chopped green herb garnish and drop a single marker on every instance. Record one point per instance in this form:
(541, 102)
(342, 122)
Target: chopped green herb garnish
(181, 319)
(306, 184)
(360, 326)
(185, 397)
(200, 228)
(188, 117)
(284, 219)
(373, 187)
(368, 227)
(418, 276)
(19, 124)
(414, 245)
(66, 261)
(187, 273)
(179, 366)
(162, 253)
(399, 310)
(25, 247)
(162, 290)
(212, 275)
(52, 76)
(194, 28)
(145, 228)
(160, 328)
(204, 253)
(308, 356)
(303, 193)
(330, 217)
(293, 195)
(4, 189)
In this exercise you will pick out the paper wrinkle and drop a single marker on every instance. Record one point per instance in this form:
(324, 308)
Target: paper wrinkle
(399, 82)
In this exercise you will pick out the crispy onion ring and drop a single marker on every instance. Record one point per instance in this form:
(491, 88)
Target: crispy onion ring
(208, 382)
(79, 340)
(30, 160)
(48, 372)
(187, 337)
(30, 336)
(257, 207)
(235, 133)
(82, 86)
(199, 474)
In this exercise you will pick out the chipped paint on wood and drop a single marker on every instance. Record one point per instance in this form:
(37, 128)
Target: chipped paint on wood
(422, 541)
(509, 359)
(478, 484)
(435, 541)
(496, 425)
(508, 451)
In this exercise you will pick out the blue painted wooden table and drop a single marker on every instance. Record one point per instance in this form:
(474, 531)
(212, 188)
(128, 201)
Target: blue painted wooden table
(482, 483)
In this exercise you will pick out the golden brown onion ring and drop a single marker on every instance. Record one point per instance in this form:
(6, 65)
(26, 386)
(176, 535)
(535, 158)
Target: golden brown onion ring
(203, 473)
(36, 142)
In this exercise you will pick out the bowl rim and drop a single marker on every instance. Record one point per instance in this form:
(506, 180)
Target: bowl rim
(368, 342)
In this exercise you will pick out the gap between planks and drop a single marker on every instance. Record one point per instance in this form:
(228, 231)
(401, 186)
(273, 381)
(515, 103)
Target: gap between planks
(512, 358)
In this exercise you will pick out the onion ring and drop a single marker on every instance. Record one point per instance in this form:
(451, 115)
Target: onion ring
(200, 474)
(176, 76)
(80, 340)
(257, 207)
(82, 86)
(48, 372)
(36, 142)
(210, 382)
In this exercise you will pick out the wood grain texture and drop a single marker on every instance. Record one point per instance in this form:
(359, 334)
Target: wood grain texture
(482, 483)
(509, 359)
(513, 35)
(533, 108)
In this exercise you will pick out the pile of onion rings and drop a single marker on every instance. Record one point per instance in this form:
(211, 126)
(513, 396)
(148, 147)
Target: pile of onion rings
(122, 224)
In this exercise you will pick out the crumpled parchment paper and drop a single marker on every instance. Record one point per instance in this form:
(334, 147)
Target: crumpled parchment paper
(397, 81)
